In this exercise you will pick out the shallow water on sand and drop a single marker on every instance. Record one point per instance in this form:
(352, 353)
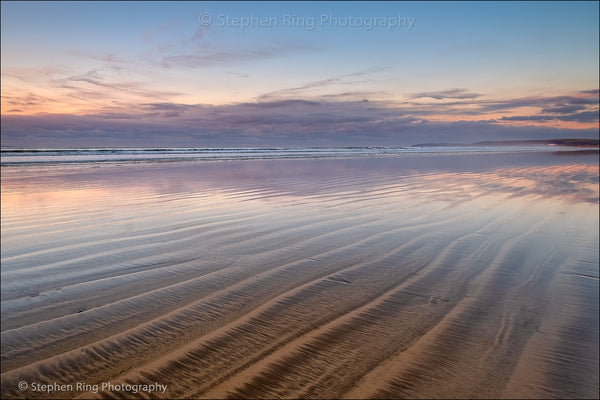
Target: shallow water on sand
(420, 276)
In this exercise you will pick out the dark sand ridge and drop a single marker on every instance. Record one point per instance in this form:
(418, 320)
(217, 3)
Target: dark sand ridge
(393, 285)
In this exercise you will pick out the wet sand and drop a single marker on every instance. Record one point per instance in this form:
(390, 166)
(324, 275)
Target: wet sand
(425, 276)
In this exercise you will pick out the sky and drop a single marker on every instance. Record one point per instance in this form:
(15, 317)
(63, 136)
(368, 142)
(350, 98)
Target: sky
(205, 74)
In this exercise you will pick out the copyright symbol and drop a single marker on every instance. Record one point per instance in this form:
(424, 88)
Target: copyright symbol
(205, 19)
(23, 386)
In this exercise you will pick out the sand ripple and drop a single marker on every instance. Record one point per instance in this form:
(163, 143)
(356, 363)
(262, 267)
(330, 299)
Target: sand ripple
(372, 285)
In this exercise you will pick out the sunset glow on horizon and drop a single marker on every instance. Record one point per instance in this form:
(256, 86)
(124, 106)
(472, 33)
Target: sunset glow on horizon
(294, 73)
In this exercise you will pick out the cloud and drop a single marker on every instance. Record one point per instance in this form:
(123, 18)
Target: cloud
(361, 95)
(93, 85)
(281, 122)
(166, 109)
(469, 104)
(581, 107)
(447, 94)
(27, 74)
(29, 99)
(528, 118)
(109, 58)
(340, 80)
(281, 103)
(201, 58)
(587, 99)
(590, 92)
(91, 76)
(587, 116)
(564, 109)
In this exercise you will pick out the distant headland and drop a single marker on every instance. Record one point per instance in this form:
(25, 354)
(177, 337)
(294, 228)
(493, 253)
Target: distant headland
(537, 142)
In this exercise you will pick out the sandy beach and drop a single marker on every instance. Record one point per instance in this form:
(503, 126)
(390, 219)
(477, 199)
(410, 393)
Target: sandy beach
(418, 276)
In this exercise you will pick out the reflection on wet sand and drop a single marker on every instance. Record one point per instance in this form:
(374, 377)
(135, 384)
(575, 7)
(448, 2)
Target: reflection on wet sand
(419, 277)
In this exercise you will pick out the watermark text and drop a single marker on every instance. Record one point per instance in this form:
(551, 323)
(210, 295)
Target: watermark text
(311, 23)
(56, 387)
